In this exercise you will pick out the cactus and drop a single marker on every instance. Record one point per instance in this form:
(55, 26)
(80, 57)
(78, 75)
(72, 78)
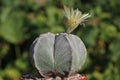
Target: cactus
(60, 54)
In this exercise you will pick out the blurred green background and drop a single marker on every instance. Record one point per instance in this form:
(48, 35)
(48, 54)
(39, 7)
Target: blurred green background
(21, 21)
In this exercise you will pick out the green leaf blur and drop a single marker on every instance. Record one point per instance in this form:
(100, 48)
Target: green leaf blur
(21, 21)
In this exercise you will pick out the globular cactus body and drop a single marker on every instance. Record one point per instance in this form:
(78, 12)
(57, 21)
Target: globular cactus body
(62, 53)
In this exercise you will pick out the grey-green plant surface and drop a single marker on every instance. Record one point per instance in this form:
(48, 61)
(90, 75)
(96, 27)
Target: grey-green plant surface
(59, 54)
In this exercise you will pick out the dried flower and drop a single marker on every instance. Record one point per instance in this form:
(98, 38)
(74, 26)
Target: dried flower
(74, 18)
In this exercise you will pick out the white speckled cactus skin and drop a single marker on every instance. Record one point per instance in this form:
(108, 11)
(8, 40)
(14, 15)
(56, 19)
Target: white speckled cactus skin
(63, 53)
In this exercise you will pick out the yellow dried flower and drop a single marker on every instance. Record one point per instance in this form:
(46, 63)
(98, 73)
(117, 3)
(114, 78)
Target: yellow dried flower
(74, 18)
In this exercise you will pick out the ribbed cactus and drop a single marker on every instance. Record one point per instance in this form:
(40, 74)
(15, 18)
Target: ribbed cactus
(60, 54)
(63, 53)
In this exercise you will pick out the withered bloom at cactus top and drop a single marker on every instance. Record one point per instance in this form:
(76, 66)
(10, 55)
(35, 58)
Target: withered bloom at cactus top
(60, 54)
(74, 18)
